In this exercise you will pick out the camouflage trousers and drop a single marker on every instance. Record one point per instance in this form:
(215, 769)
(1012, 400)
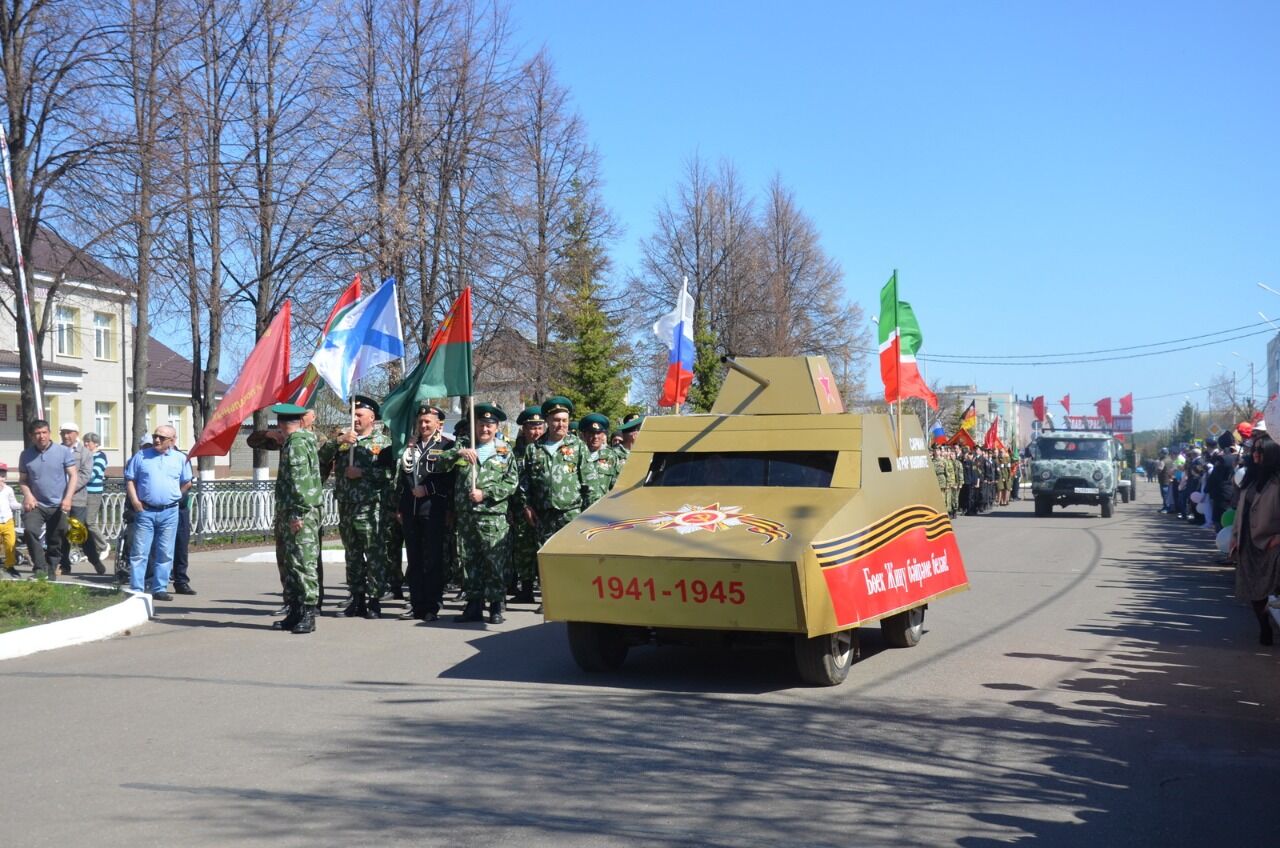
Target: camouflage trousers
(455, 572)
(296, 556)
(552, 520)
(484, 544)
(394, 579)
(366, 550)
(524, 548)
(953, 499)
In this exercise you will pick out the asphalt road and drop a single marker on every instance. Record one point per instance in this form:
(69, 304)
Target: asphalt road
(1098, 686)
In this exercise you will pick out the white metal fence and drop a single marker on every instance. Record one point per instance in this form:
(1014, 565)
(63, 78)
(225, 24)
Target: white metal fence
(218, 508)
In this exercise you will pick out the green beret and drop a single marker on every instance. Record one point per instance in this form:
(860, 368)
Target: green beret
(288, 411)
(631, 422)
(531, 415)
(489, 412)
(558, 403)
(363, 402)
(594, 423)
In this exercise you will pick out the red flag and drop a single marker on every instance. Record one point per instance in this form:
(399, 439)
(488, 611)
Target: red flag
(1104, 409)
(1066, 403)
(1037, 408)
(1126, 404)
(991, 441)
(265, 373)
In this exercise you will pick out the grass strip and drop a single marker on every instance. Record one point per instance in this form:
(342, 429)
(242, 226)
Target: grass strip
(25, 603)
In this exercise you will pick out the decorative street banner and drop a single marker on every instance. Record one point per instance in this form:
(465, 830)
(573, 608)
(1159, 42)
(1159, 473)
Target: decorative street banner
(900, 561)
(1087, 422)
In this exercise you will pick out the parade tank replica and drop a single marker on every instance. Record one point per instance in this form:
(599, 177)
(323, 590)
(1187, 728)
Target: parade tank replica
(777, 516)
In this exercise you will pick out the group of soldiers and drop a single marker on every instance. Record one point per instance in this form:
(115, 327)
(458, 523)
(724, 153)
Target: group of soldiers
(469, 514)
(974, 479)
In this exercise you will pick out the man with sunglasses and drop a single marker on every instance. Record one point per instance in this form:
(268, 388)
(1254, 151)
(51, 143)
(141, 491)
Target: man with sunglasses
(156, 479)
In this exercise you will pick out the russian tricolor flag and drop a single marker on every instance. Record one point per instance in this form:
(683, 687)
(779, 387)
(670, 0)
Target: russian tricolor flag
(675, 329)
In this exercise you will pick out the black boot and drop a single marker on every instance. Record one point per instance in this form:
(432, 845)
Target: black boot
(373, 608)
(290, 620)
(474, 612)
(306, 624)
(495, 613)
(525, 595)
(355, 609)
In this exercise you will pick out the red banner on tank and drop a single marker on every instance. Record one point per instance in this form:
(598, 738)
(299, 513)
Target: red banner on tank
(901, 561)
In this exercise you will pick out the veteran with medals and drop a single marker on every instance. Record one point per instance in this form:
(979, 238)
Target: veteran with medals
(595, 432)
(524, 539)
(557, 475)
(359, 459)
(483, 526)
(425, 498)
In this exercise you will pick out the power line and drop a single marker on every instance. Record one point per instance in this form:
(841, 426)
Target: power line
(970, 359)
(934, 358)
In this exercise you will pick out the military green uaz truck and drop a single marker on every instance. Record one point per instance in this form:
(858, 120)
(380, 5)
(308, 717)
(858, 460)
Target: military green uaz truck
(1074, 467)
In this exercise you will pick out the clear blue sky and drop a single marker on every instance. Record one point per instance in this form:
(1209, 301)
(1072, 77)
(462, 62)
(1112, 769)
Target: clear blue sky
(1046, 177)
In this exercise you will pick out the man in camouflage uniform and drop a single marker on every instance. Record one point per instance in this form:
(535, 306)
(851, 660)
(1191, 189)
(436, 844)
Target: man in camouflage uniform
(939, 461)
(524, 539)
(556, 473)
(360, 459)
(297, 525)
(483, 525)
(595, 431)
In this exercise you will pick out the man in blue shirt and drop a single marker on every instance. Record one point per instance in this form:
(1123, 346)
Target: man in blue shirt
(47, 474)
(156, 479)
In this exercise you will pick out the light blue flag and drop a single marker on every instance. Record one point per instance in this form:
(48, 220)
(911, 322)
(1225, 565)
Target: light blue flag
(366, 335)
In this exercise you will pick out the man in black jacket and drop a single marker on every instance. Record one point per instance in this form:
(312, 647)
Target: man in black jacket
(425, 488)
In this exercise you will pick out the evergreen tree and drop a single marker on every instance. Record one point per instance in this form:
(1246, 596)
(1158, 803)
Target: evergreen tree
(1184, 426)
(597, 359)
(708, 373)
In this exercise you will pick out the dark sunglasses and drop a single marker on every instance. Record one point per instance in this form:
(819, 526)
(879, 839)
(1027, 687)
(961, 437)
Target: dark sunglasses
(156, 437)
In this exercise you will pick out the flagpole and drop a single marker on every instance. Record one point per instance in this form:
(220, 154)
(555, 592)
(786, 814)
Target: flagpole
(33, 354)
(897, 364)
(471, 425)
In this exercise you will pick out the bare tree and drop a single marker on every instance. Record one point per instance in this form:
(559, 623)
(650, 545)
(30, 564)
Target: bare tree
(52, 52)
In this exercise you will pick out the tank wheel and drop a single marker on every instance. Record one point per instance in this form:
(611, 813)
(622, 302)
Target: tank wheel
(826, 660)
(597, 647)
(904, 629)
(1044, 506)
(1107, 508)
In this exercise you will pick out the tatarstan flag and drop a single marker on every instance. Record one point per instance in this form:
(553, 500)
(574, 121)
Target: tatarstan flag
(444, 372)
(302, 389)
(900, 338)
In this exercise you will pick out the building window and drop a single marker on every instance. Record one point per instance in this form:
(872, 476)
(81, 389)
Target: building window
(66, 331)
(104, 335)
(104, 417)
(175, 421)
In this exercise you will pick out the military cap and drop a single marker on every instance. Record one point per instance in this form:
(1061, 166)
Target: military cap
(557, 403)
(531, 415)
(428, 409)
(594, 423)
(288, 411)
(489, 412)
(631, 421)
(573, 426)
(460, 428)
(366, 402)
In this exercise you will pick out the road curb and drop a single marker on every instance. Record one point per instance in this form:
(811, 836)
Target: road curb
(133, 611)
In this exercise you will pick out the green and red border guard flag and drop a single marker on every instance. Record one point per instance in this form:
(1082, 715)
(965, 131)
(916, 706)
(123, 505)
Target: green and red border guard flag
(444, 372)
(900, 339)
(264, 374)
(302, 389)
